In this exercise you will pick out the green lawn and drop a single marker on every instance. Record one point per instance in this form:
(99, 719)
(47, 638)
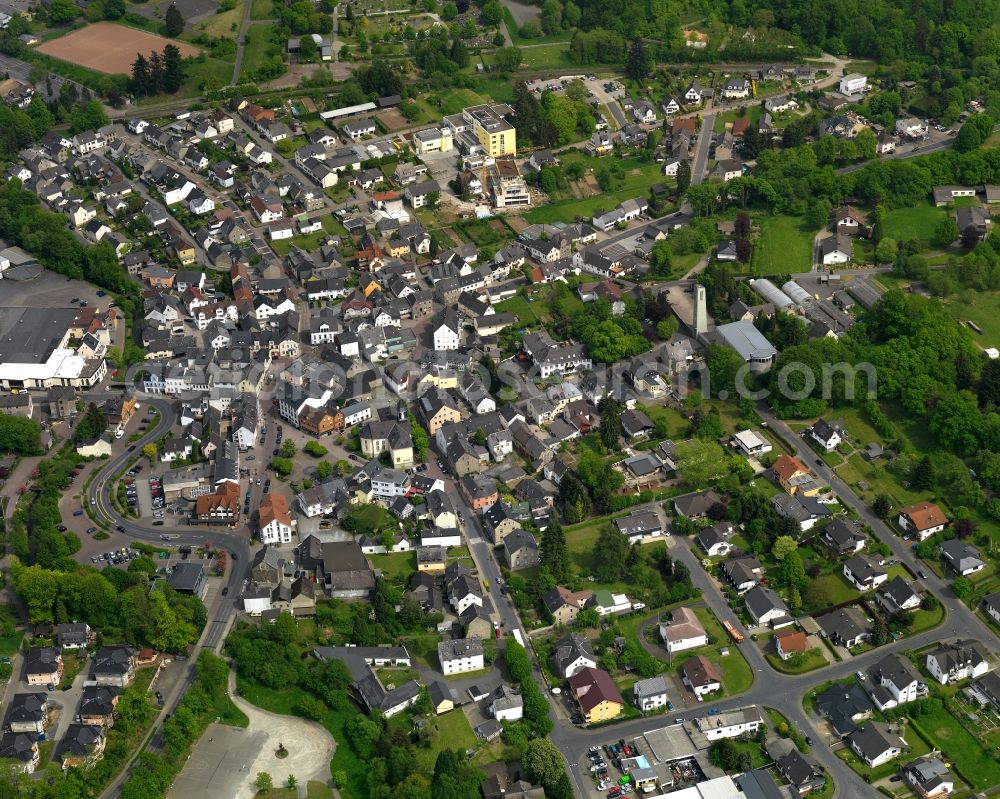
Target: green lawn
(259, 48)
(262, 9)
(309, 241)
(517, 39)
(737, 676)
(983, 308)
(369, 518)
(548, 56)
(527, 313)
(753, 114)
(975, 764)
(397, 566)
(784, 246)
(72, 665)
(810, 660)
(670, 418)
(918, 222)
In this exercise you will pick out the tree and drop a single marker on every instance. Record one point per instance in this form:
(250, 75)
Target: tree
(492, 13)
(516, 658)
(610, 554)
(151, 452)
(288, 448)
(945, 232)
(611, 422)
(455, 777)
(922, 476)
(173, 21)
(683, 177)
(989, 383)
(507, 59)
(543, 762)
(885, 251)
(62, 11)
(173, 69)
(554, 555)
(969, 138)
(324, 469)
(882, 506)
(783, 545)
(421, 442)
(308, 49)
(637, 64)
(699, 461)
(291, 782)
(263, 782)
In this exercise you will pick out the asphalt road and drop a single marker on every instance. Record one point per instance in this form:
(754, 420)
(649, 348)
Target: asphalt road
(220, 615)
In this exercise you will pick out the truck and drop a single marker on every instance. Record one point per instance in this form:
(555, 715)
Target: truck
(735, 634)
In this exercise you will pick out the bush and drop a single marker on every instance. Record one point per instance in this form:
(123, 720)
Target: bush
(315, 449)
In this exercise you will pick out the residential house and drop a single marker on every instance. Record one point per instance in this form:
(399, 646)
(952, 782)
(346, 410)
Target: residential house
(115, 666)
(962, 558)
(845, 627)
(922, 519)
(275, 522)
(877, 743)
(929, 777)
(958, 660)
(865, 572)
(766, 607)
(684, 631)
(788, 643)
(460, 656)
(650, 694)
(43, 665)
(827, 434)
(844, 537)
(520, 550)
(571, 655)
(894, 681)
(595, 694)
(701, 676)
(898, 595)
(564, 605)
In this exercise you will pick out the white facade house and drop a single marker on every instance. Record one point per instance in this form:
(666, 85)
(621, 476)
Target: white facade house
(461, 656)
(447, 333)
(751, 444)
(732, 724)
(853, 84)
(957, 660)
(684, 631)
(650, 694)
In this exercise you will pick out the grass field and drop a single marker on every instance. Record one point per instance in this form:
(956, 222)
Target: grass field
(973, 762)
(918, 222)
(983, 308)
(397, 566)
(547, 56)
(225, 24)
(784, 246)
(527, 313)
(638, 179)
(517, 39)
(262, 9)
(258, 50)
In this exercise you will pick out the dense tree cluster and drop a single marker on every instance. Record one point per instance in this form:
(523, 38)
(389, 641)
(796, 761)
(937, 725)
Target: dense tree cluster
(119, 605)
(44, 234)
(157, 72)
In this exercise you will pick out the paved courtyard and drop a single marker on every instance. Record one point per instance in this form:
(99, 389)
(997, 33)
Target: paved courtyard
(226, 761)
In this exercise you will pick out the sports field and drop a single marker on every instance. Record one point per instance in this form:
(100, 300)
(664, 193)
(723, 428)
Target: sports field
(110, 48)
